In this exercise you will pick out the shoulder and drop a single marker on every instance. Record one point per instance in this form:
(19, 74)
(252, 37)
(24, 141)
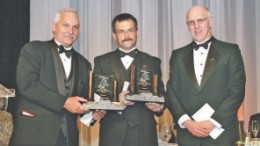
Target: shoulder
(106, 56)
(35, 47)
(226, 48)
(82, 59)
(36, 44)
(147, 56)
(222, 44)
(182, 51)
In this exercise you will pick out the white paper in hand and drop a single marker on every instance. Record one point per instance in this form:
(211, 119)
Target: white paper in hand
(96, 97)
(204, 113)
(86, 118)
(125, 87)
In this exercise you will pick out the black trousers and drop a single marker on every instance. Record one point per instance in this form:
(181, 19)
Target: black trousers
(212, 144)
(61, 140)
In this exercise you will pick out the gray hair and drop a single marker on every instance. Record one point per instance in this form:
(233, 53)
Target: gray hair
(204, 7)
(58, 14)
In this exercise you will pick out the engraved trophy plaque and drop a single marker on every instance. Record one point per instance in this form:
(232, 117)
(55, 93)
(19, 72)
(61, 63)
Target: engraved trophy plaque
(144, 85)
(144, 80)
(105, 87)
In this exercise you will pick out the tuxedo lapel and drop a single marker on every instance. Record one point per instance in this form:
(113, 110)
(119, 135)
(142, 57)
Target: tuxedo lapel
(59, 70)
(116, 66)
(212, 59)
(189, 65)
(139, 60)
(74, 73)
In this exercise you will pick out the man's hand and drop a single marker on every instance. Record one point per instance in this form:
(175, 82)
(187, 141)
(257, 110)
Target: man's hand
(198, 129)
(98, 114)
(155, 107)
(208, 126)
(73, 105)
(123, 100)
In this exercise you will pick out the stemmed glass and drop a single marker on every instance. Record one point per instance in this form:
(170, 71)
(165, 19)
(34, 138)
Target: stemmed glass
(167, 133)
(255, 127)
(174, 132)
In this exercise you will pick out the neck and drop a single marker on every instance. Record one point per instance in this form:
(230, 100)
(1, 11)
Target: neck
(126, 51)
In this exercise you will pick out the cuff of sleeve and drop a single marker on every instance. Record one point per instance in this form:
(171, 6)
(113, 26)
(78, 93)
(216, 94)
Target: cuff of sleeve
(87, 119)
(215, 123)
(182, 119)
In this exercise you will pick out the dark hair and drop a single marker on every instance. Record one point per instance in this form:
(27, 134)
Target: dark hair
(123, 17)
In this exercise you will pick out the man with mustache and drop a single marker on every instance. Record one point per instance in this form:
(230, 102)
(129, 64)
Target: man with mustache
(136, 125)
(52, 80)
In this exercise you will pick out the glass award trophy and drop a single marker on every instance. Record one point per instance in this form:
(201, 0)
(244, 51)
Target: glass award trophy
(144, 80)
(102, 93)
(103, 86)
(144, 85)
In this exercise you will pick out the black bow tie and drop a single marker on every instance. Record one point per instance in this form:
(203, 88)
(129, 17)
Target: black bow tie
(204, 45)
(132, 53)
(68, 53)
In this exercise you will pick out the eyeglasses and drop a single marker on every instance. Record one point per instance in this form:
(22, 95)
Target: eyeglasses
(129, 31)
(199, 21)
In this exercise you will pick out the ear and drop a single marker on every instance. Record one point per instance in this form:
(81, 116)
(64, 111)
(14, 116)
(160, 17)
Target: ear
(211, 22)
(114, 36)
(53, 27)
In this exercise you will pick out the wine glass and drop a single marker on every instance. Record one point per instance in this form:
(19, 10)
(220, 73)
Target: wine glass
(255, 127)
(174, 132)
(167, 134)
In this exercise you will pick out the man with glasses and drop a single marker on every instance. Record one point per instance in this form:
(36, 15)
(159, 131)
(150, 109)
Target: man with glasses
(135, 126)
(206, 85)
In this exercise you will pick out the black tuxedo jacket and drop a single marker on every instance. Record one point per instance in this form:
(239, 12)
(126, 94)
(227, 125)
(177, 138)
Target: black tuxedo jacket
(113, 126)
(40, 81)
(222, 87)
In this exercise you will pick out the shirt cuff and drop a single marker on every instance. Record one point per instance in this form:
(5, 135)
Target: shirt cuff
(215, 123)
(87, 118)
(182, 119)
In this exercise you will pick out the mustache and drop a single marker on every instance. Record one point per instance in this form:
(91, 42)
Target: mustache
(127, 39)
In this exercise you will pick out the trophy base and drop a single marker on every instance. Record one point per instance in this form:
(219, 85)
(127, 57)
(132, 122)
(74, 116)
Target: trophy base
(104, 105)
(145, 97)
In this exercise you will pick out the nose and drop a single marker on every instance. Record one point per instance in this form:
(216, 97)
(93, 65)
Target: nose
(126, 33)
(196, 24)
(70, 30)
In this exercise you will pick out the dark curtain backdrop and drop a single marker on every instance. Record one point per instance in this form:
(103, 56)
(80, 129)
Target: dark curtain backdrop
(14, 28)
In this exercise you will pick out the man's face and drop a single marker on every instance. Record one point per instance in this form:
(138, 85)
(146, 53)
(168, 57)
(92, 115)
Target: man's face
(125, 34)
(199, 24)
(66, 30)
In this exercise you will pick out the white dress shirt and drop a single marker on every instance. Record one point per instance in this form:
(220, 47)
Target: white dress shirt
(66, 62)
(127, 60)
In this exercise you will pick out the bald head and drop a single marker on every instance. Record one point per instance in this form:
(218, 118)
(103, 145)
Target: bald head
(198, 9)
(199, 22)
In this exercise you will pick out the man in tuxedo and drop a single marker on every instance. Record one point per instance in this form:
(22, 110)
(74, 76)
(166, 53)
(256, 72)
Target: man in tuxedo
(136, 125)
(52, 80)
(206, 72)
